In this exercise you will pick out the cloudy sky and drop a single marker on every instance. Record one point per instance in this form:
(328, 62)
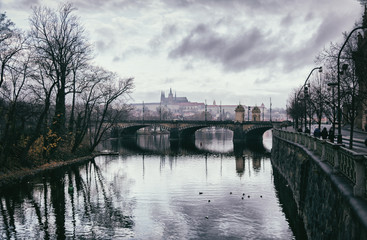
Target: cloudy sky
(230, 51)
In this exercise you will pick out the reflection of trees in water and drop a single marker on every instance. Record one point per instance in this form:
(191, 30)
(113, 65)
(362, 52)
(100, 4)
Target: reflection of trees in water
(53, 214)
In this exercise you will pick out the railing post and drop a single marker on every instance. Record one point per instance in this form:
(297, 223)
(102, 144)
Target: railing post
(315, 144)
(323, 158)
(336, 158)
(359, 188)
(309, 145)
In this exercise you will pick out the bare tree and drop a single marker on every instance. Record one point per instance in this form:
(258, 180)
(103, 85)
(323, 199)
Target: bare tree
(296, 107)
(58, 39)
(13, 91)
(319, 97)
(96, 115)
(11, 43)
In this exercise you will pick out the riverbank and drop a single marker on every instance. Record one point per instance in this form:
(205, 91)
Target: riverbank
(23, 174)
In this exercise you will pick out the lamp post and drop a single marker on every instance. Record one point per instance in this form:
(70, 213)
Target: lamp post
(205, 110)
(220, 111)
(286, 112)
(332, 85)
(304, 85)
(270, 109)
(143, 110)
(305, 94)
(340, 137)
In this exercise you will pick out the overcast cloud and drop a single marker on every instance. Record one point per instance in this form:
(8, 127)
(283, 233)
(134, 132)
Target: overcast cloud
(224, 50)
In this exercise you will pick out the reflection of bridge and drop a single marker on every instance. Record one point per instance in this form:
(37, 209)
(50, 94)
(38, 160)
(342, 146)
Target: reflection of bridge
(186, 129)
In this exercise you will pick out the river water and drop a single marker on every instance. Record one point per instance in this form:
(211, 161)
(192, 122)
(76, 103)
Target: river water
(154, 189)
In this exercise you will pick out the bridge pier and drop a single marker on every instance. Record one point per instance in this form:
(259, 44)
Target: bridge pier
(238, 133)
(174, 134)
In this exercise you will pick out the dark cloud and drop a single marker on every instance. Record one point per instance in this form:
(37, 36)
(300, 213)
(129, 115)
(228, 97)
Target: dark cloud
(327, 31)
(257, 5)
(287, 20)
(168, 31)
(109, 4)
(236, 53)
(23, 4)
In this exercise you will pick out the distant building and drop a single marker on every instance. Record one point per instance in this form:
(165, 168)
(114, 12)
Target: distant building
(172, 99)
(256, 114)
(240, 113)
(173, 107)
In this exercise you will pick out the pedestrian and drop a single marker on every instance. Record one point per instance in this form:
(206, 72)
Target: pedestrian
(324, 133)
(307, 130)
(331, 135)
(316, 133)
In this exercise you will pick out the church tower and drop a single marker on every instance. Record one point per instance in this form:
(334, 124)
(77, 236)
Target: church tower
(170, 96)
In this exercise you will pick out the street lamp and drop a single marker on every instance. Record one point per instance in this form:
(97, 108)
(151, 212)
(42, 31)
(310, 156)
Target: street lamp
(248, 113)
(332, 85)
(340, 137)
(143, 110)
(205, 110)
(306, 95)
(305, 90)
(220, 111)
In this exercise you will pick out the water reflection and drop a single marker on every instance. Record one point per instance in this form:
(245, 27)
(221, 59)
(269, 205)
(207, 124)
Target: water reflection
(151, 191)
(65, 205)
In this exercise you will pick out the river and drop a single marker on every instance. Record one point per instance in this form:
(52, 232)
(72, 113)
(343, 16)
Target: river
(154, 189)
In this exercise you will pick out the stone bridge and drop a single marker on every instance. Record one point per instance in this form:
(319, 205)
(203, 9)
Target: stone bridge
(186, 129)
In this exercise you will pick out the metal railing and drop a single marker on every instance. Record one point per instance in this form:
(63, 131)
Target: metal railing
(342, 160)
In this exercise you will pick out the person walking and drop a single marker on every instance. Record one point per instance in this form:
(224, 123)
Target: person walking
(316, 133)
(307, 130)
(324, 133)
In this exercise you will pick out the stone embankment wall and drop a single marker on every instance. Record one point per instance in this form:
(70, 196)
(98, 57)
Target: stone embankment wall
(325, 198)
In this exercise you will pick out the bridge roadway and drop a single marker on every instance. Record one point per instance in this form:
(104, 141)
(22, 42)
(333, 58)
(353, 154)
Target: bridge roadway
(183, 129)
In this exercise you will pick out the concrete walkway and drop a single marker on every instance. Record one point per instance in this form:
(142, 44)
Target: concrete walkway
(358, 137)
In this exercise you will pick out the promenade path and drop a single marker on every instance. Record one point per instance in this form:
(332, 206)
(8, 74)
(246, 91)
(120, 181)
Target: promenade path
(358, 137)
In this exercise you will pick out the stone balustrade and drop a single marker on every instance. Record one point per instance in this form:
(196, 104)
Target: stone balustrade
(342, 160)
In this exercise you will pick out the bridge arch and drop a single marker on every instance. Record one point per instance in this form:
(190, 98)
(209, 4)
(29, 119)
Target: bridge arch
(189, 132)
(186, 129)
(256, 133)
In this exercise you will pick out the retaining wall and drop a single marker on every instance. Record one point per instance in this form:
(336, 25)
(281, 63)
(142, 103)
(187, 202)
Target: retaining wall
(331, 203)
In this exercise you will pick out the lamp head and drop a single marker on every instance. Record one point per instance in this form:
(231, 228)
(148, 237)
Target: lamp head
(320, 69)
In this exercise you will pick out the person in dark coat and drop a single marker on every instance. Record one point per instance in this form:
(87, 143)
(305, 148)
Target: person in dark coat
(331, 135)
(316, 133)
(307, 130)
(324, 133)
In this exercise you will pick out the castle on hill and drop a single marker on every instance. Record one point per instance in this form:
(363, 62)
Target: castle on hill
(180, 108)
(172, 99)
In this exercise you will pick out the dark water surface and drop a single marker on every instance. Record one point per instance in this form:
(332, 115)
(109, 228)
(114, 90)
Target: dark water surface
(209, 189)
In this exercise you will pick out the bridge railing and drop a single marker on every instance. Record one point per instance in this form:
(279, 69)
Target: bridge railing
(342, 160)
